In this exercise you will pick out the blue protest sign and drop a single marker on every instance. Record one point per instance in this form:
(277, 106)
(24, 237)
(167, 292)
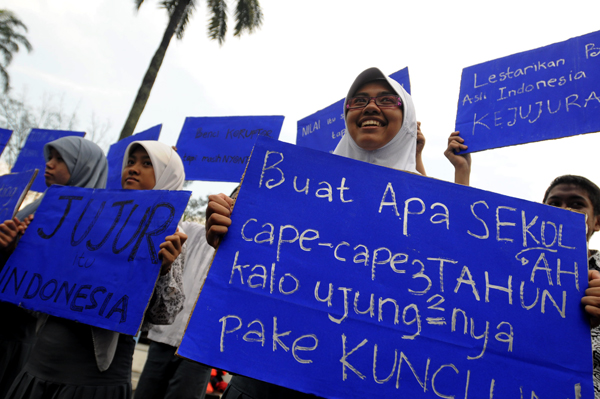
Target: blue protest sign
(350, 280)
(218, 148)
(32, 154)
(117, 151)
(324, 129)
(541, 94)
(91, 255)
(13, 188)
(4, 138)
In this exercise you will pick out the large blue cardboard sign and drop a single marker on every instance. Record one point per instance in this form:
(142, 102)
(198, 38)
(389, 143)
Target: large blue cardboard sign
(5, 135)
(13, 188)
(324, 129)
(32, 154)
(350, 280)
(218, 148)
(91, 255)
(541, 94)
(116, 153)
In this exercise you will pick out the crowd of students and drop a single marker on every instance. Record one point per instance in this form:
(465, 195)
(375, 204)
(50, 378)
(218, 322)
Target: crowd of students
(49, 357)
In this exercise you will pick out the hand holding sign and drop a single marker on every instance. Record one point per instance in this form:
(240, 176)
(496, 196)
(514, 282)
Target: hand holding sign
(218, 214)
(461, 162)
(591, 300)
(170, 250)
(10, 230)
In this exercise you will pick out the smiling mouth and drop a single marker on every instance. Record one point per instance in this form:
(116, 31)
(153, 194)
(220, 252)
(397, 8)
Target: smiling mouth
(371, 122)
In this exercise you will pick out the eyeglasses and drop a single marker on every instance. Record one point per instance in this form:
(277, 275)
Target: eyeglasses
(385, 101)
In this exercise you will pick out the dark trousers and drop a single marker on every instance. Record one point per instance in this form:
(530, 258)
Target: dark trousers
(167, 376)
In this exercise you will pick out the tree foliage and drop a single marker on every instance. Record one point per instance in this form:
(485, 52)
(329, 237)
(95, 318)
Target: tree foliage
(10, 39)
(195, 210)
(19, 115)
(248, 17)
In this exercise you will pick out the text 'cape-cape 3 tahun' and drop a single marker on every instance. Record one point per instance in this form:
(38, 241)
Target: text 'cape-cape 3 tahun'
(345, 279)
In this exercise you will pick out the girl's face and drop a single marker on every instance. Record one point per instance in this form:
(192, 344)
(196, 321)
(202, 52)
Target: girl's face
(372, 127)
(138, 173)
(56, 170)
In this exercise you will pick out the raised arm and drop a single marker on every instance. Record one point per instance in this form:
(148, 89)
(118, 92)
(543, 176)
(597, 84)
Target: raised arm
(461, 163)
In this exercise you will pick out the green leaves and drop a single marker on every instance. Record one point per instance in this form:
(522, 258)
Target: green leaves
(9, 42)
(218, 21)
(248, 16)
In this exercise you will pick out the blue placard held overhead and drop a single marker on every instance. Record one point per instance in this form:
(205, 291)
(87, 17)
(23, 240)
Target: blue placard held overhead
(541, 94)
(91, 255)
(13, 188)
(117, 151)
(218, 148)
(32, 154)
(4, 138)
(349, 280)
(324, 129)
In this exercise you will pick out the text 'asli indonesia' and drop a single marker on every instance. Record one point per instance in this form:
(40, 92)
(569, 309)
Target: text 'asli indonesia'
(591, 51)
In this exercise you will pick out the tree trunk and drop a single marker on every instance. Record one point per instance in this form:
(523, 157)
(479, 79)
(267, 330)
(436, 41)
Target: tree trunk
(144, 92)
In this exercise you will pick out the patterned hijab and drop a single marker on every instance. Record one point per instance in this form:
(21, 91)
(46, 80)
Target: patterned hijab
(400, 152)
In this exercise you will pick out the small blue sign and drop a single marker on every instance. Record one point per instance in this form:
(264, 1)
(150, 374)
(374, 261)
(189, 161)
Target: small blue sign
(32, 154)
(541, 94)
(116, 152)
(5, 135)
(13, 188)
(218, 148)
(90, 255)
(324, 129)
(349, 280)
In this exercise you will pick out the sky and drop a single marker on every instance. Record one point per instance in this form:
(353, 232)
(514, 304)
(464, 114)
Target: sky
(94, 54)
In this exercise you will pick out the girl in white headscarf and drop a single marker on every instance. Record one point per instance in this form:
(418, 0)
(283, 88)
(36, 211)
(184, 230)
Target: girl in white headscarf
(396, 146)
(150, 165)
(382, 129)
(73, 360)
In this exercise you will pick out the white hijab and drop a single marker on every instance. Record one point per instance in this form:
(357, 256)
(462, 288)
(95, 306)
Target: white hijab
(400, 152)
(168, 167)
(169, 175)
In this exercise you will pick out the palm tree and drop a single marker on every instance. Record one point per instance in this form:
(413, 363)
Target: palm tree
(9, 42)
(248, 17)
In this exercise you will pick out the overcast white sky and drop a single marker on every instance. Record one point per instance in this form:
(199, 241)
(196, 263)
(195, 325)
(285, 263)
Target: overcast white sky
(303, 59)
